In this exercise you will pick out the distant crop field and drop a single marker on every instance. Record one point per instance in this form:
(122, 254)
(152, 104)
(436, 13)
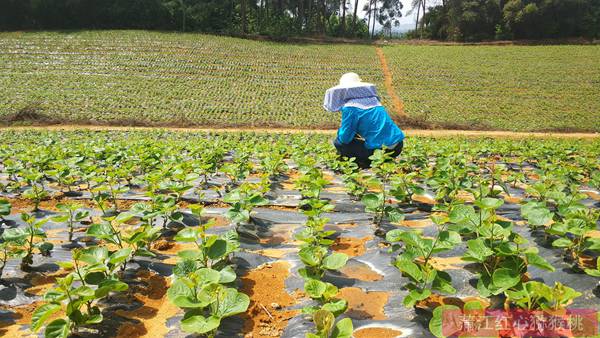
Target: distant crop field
(153, 78)
(500, 87)
(139, 77)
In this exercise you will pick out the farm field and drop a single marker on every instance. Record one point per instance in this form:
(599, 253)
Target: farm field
(243, 234)
(513, 88)
(168, 79)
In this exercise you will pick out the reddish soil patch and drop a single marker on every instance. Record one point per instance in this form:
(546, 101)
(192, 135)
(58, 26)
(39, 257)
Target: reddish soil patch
(10, 325)
(389, 84)
(361, 271)
(275, 253)
(346, 225)
(465, 196)
(266, 288)
(379, 332)
(364, 305)
(423, 199)
(20, 205)
(511, 199)
(351, 246)
(416, 223)
(151, 319)
(43, 282)
(436, 300)
(446, 263)
(593, 195)
(279, 233)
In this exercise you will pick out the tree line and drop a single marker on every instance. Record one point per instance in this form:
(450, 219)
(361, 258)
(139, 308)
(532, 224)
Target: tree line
(280, 18)
(476, 20)
(457, 20)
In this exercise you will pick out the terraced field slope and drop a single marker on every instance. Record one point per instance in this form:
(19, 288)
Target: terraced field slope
(150, 78)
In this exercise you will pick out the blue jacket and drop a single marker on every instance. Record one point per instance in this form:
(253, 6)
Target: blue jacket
(373, 124)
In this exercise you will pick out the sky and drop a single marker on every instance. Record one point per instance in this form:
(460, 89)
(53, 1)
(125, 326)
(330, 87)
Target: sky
(404, 20)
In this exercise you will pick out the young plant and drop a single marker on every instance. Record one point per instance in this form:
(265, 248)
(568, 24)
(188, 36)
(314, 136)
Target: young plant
(5, 209)
(36, 192)
(353, 178)
(377, 202)
(77, 295)
(206, 300)
(499, 251)
(116, 231)
(534, 295)
(574, 234)
(243, 200)
(8, 250)
(326, 327)
(212, 251)
(71, 214)
(415, 261)
(30, 239)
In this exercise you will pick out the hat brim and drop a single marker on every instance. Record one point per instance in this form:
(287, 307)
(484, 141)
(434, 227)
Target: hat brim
(353, 85)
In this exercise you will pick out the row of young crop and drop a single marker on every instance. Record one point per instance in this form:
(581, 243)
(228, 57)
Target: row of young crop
(111, 76)
(512, 87)
(168, 167)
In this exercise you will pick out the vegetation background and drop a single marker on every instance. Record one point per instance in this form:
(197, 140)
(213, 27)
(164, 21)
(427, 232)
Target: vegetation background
(456, 20)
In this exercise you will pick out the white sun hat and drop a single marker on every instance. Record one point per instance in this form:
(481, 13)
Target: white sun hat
(351, 80)
(350, 88)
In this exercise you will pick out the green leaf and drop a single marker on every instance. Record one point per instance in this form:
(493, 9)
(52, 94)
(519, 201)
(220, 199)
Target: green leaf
(199, 324)
(489, 203)
(336, 307)
(187, 235)
(394, 235)
(94, 254)
(335, 261)
(372, 201)
(227, 275)
(207, 275)
(191, 254)
(537, 261)
(394, 215)
(218, 249)
(562, 243)
(41, 314)
(505, 278)
(323, 320)
(58, 328)
(437, 320)
(477, 251)
(232, 302)
(311, 256)
(414, 296)
(119, 256)
(343, 329)
(443, 283)
(409, 268)
(110, 285)
(314, 288)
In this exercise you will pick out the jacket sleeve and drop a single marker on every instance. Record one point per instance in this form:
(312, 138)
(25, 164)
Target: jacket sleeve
(347, 129)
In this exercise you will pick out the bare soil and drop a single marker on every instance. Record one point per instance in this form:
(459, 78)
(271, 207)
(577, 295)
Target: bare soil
(266, 315)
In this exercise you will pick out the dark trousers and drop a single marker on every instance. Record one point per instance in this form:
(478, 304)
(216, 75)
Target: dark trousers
(356, 148)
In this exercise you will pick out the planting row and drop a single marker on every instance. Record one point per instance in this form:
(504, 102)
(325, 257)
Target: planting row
(146, 186)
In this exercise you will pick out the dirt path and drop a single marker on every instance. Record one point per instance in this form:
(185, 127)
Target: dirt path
(389, 84)
(409, 132)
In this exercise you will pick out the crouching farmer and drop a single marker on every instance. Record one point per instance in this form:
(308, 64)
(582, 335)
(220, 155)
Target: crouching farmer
(366, 125)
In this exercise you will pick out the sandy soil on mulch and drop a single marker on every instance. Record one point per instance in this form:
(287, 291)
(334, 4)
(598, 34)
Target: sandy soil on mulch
(267, 315)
